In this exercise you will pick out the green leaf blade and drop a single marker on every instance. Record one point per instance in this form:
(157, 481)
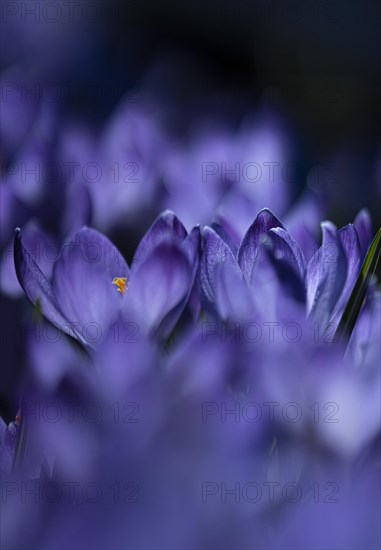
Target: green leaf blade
(359, 292)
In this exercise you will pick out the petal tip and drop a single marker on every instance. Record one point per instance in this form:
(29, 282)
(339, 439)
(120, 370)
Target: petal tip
(167, 212)
(266, 210)
(328, 225)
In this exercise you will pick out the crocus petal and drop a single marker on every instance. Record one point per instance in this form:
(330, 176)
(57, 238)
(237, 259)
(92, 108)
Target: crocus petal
(226, 235)
(36, 286)
(250, 246)
(363, 225)
(351, 245)
(215, 252)
(83, 281)
(167, 225)
(285, 248)
(191, 246)
(288, 261)
(42, 249)
(233, 297)
(159, 288)
(364, 344)
(326, 275)
(124, 340)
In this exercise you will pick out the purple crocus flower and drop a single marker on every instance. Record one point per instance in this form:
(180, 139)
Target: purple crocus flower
(23, 186)
(121, 167)
(229, 278)
(236, 283)
(267, 281)
(92, 284)
(38, 190)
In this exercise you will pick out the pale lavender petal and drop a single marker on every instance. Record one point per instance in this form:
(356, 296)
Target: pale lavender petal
(83, 282)
(363, 225)
(215, 252)
(326, 275)
(351, 245)
(233, 297)
(159, 288)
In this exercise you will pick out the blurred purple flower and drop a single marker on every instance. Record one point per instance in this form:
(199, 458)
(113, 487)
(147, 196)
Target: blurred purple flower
(225, 178)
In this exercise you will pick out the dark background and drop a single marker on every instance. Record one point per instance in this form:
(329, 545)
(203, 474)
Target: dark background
(319, 61)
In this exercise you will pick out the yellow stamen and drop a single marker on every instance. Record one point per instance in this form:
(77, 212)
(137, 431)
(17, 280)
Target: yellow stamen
(121, 284)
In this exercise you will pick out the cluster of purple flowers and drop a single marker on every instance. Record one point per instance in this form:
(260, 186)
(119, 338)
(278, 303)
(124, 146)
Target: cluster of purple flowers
(200, 394)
